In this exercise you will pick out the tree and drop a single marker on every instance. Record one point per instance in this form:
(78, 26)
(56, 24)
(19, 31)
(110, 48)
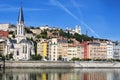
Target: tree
(13, 36)
(75, 59)
(11, 55)
(38, 36)
(11, 32)
(60, 57)
(28, 30)
(36, 57)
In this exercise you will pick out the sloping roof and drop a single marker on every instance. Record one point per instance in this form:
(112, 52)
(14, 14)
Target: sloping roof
(13, 41)
(12, 46)
(23, 41)
(21, 17)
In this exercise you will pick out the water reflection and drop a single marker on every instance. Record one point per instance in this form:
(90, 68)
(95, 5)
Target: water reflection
(60, 74)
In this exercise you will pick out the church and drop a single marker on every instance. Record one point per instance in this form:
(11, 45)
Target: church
(20, 47)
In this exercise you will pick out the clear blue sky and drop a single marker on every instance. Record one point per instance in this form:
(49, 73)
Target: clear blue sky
(100, 17)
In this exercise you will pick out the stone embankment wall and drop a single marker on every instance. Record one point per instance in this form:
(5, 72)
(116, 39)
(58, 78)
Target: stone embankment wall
(60, 64)
(38, 64)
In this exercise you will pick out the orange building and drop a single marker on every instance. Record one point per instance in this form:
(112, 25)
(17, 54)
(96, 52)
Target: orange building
(4, 34)
(95, 49)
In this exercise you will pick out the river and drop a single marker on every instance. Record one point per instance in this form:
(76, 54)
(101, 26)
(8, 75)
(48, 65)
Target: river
(60, 74)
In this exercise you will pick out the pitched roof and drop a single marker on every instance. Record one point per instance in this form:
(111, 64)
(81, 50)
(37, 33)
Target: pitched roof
(21, 17)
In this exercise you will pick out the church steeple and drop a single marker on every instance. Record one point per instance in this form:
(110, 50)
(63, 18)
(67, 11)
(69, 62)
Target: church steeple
(20, 24)
(21, 17)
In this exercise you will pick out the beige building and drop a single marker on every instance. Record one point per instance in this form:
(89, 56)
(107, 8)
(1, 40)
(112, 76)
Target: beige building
(72, 52)
(97, 50)
(36, 31)
(80, 52)
(62, 49)
(58, 49)
(4, 27)
(2, 47)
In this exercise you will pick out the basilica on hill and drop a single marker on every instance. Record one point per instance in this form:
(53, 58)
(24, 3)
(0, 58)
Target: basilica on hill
(20, 47)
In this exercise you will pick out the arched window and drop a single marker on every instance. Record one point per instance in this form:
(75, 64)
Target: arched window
(23, 49)
(26, 49)
(17, 52)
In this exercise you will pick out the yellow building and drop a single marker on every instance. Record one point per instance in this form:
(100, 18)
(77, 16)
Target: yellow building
(42, 48)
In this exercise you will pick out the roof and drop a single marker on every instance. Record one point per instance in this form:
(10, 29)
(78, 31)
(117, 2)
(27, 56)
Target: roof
(13, 41)
(12, 46)
(21, 17)
(23, 41)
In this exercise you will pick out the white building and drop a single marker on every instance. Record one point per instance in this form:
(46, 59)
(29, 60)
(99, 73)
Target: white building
(52, 52)
(20, 47)
(44, 27)
(4, 27)
(78, 29)
(109, 50)
(116, 50)
(73, 31)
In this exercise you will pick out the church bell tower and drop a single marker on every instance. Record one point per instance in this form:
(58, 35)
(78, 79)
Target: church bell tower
(20, 24)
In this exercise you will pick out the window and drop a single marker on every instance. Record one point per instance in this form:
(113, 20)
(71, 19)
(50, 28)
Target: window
(23, 49)
(17, 52)
(26, 49)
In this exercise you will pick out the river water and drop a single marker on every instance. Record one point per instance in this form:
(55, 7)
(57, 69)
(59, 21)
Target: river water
(60, 74)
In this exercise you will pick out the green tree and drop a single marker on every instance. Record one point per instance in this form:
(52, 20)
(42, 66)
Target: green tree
(36, 57)
(60, 57)
(38, 36)
(13, 36)
(11, 32)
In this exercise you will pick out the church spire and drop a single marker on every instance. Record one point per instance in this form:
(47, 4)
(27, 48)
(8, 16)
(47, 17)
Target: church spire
(20, 25)
(21, 17)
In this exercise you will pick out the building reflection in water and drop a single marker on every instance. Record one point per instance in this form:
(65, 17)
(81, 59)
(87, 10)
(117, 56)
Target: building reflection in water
(60, 74)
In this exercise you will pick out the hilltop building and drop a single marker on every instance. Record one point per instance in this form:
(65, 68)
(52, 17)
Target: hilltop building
(7, 27)
(4, 27)
(73, 31)
(78, 29)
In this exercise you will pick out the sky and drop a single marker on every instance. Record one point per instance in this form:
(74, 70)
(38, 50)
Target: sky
(101, 18)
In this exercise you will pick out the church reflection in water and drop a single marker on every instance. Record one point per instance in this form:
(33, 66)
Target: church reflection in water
(60, 74)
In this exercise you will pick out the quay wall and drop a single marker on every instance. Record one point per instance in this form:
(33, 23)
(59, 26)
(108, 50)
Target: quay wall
(59, 64)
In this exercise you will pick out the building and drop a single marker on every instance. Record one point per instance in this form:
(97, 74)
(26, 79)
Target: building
(62, 49)
(4, 27)
(36, 31)
(78, 29)
(95, 50)
(12, 28)
(52, 52)
(20, 47)
(80, 51)
(72, 52)
(73, 31)
(2, 47)
(42, 48)
(4, 34)
(109, 50)
(44, 27)
(116, 50)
